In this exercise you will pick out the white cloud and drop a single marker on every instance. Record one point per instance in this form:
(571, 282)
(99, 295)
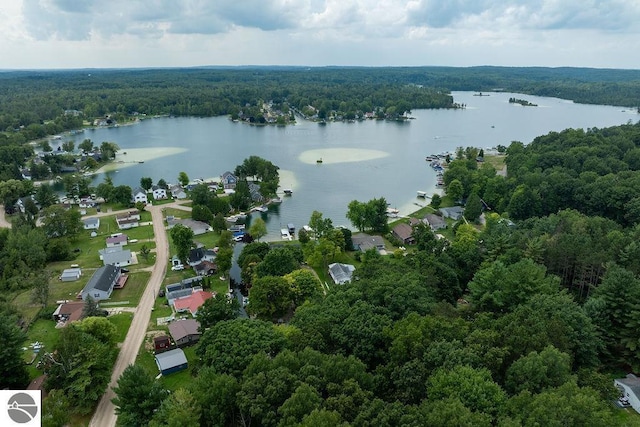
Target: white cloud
(318, 32)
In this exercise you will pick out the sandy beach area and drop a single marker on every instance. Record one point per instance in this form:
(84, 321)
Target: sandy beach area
(287, 179)
(340, 155)
(133, 156)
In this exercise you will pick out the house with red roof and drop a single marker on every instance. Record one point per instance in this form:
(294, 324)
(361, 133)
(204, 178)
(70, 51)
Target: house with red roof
(191, 303)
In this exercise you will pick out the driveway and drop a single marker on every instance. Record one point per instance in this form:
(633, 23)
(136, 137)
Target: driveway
(105, 415)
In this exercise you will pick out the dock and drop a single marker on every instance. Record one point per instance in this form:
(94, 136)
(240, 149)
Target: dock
(288, 192)
(422, 194)
(291, 228)
(285, 234)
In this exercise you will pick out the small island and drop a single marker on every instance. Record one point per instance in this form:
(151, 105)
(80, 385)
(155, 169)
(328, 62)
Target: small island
(522, 102)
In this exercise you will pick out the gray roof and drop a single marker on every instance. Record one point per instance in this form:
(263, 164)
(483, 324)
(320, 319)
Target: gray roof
(170, 359)
(454, 212)
(117, 257)
(341, 273)
(365, 241)
(71, 272)
(183, 328)
(435, 220)
(90, 221)
(139, 190)
(103, 278)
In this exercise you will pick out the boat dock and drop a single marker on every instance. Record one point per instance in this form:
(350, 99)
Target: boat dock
(288, 192)
(422, 194)
(285, 234)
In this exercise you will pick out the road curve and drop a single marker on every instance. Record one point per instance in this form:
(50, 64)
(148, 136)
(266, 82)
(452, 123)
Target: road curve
(105, 415)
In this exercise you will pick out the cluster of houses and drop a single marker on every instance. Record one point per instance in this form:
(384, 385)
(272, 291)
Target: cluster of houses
(168, 351)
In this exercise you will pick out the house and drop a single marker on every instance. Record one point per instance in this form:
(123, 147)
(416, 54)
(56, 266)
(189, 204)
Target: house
(161, 344)
(68, 311)
(341, 273)
(205, 268)
(404, 233)
(630, 389)
(128, 220)
(364, 242)
(435, 222)
(254, 191)
(185, 332)
(91, 223)
(191, 303)
(177, 192)
(454, 212)
(228, 180)
(139, 195)
(117, 240)
(101, 284)
(198, 227)
(70, 274)
(198, 255)
(183, 288)
(159, 193)
(171, 361)
(116, 255)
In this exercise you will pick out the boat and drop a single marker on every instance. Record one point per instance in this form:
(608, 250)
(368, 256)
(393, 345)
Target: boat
(285, 234)
(288, 192)
(422, 194)
(262, 208)
(291, 228)
(319, 160)
(276, 200)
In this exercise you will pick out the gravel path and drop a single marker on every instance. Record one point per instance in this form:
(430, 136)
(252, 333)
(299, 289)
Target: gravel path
(105, 415)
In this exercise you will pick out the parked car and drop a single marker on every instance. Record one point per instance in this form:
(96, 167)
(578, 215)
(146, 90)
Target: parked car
(178, 267)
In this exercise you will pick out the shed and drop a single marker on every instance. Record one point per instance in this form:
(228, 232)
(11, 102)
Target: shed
(70, 274)
(91, 223)
(171, 361)
(161, 344)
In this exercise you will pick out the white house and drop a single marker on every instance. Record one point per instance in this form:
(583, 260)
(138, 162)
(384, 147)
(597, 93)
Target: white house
(630, 389)
(159, 192)
(91, 223)
(116, 256)
(139, 195)
(341, 273)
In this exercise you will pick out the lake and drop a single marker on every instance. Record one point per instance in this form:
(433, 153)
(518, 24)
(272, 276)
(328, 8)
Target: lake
(361, 160)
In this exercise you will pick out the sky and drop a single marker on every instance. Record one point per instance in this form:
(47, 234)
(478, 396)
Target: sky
(46, 34)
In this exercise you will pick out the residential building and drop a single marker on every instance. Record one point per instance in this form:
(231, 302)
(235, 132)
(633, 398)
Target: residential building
(101, 284)
(68, 311)
(171, 361)
(630, 390)
(435, 222)
(205, 268)
(91, 223)
(159, 193)
(364, 242)
(128, 220)
(117, 240)
(198, 227)
(139, 195)
(229, 180)
(177, 192)
(191, 303)
(116, 255)
(454, 212)
(185, 332)
(341, 273)
(404, 233)
(184, 288)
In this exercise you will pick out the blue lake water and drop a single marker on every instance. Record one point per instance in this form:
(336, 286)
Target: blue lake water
(215, 145)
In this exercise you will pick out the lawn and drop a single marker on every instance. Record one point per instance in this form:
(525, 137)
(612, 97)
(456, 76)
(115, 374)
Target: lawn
(121, 321)
(45, 332)
(132, 291)
(174, 381)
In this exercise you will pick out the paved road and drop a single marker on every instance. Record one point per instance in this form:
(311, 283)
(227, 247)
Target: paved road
(105, 415)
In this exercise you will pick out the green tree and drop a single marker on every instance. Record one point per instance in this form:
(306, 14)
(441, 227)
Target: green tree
(13, 374)
(455, 190)
(305, 285)
(229, 346)
(217, 395)
(217, 309)
(277, 262)
(146, 183)
(436, 201)
(473, 207)
(271, 297)
(86, 145)
(200, 194)
(474, 387)
(108, 150)
(201, 213)
(45, 196)
(183, 179)
(68, 146)
(56, 409)
(121, 195)
(258, 229)
(180, 409)
(224, 259)
(40, 282)
(538, 371)
(218, 223)
(162, 183)
(145, 252)
(138, 396)
(356, 213)
(182, 238)
(320, 226)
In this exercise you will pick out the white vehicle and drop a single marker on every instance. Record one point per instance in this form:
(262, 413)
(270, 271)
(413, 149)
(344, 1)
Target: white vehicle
(177, 267)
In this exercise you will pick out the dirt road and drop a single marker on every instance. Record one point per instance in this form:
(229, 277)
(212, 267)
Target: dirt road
(105, 412)
(3, 219)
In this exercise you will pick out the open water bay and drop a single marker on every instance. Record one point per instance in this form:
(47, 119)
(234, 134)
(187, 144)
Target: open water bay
(361, 160)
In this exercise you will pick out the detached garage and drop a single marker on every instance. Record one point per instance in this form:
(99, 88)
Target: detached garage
(171, 361)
